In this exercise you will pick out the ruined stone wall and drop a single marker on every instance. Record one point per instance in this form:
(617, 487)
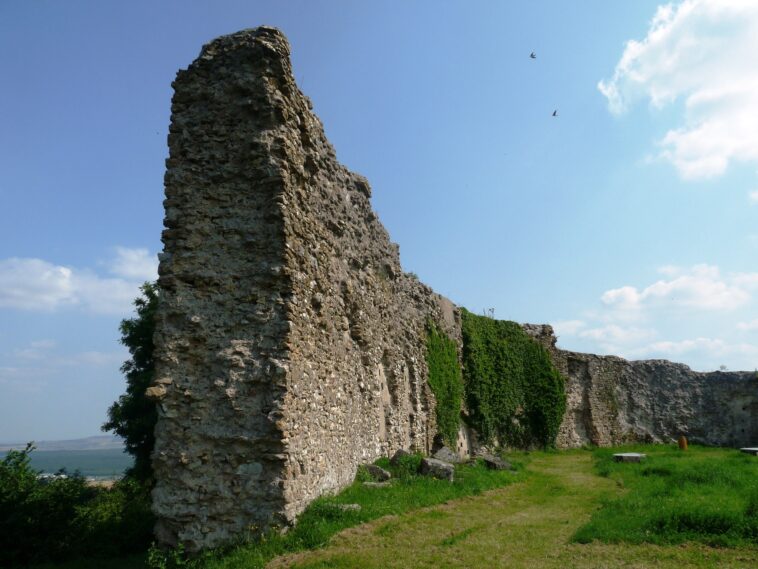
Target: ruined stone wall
(290, 345)
(611, 400)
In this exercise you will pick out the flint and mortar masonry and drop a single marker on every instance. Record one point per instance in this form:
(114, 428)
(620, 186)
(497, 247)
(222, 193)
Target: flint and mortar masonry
(290, 345)
(612, 401)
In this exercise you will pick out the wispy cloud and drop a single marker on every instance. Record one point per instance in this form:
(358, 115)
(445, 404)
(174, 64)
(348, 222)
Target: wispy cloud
(134, 264)
(636, 321)
(753, 197)
(712, 347)
(704, 53)
(750, 326)
(701, 287)
(39, 285)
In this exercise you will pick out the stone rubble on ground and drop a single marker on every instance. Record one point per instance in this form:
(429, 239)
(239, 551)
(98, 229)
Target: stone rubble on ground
(377, 472)
(376, 484)
(446, 455)
(399, 455)
(629, 457)
(437, 469)
(494, 462)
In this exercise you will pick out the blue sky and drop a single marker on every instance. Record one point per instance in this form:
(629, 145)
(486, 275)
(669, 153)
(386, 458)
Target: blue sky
(627, 221)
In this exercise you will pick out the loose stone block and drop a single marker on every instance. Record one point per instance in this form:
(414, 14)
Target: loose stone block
(629, 457)
(438, 469)
(750, 450)
(495, 462)
(445, 454)
(376, 484)
(377, 472)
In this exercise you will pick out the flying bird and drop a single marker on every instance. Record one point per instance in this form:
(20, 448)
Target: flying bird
(533, 55)
(555, 113)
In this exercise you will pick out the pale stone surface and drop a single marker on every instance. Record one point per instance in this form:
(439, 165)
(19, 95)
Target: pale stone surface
(629, 457)
(612, 401)
(377, 484)
(290, 345)
(750, 450)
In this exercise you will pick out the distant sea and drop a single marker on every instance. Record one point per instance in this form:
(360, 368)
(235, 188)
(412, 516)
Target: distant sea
(94, 457)
(103, 464)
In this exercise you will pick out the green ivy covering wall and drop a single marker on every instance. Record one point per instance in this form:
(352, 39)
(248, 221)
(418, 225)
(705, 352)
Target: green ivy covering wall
(513, 392)
(445, 381)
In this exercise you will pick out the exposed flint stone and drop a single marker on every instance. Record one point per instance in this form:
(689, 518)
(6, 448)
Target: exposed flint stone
(629, 457)
(156, 392)
(289, 344)
(437, 469)
(376, 484)
(398, 456)
(446, 455)
(377, 472)
(495, 462)
(348, 507)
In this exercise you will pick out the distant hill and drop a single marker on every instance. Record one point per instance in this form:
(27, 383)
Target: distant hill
(101, 442)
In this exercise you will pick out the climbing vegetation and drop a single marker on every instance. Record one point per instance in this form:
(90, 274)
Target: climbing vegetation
(514, 394)
(445, 381)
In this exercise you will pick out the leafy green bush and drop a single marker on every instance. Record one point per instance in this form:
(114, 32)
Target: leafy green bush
(64, 517)
(513, 392)
(445, 381)
(133, 416)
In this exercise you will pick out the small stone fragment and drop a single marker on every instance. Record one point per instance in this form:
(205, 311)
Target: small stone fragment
(495, 462)
(398, 456)
(376, 484)
(629, 457)
(438, 469)
(377, 472)
(348, 507)
(445, 454)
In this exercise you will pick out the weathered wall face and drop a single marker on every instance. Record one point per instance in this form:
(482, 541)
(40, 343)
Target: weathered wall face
(611, 400)
(290, 345)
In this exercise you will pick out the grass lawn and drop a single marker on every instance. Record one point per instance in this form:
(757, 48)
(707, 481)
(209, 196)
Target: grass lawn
(702, 495)
(530, 524)
(560, 510)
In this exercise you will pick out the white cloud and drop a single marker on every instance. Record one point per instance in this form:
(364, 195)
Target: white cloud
(38, 285)
(750, 326)
(568, 327)
(701, 287)
(135, 264)
(35, 350)
(704, 53)
(704, 347)
(753, 197)
(34, 284)
(93, 359)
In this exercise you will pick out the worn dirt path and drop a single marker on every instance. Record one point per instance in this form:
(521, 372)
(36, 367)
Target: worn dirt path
(524, 525)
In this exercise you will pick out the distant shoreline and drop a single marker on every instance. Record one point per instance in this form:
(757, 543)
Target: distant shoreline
(93, 464)
(99, 442)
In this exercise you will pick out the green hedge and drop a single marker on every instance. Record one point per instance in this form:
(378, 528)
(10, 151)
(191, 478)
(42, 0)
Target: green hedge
(513, 392)
(445, 381)
(64, 518)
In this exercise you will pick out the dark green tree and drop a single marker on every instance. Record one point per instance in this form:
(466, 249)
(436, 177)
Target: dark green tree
(133, 416)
